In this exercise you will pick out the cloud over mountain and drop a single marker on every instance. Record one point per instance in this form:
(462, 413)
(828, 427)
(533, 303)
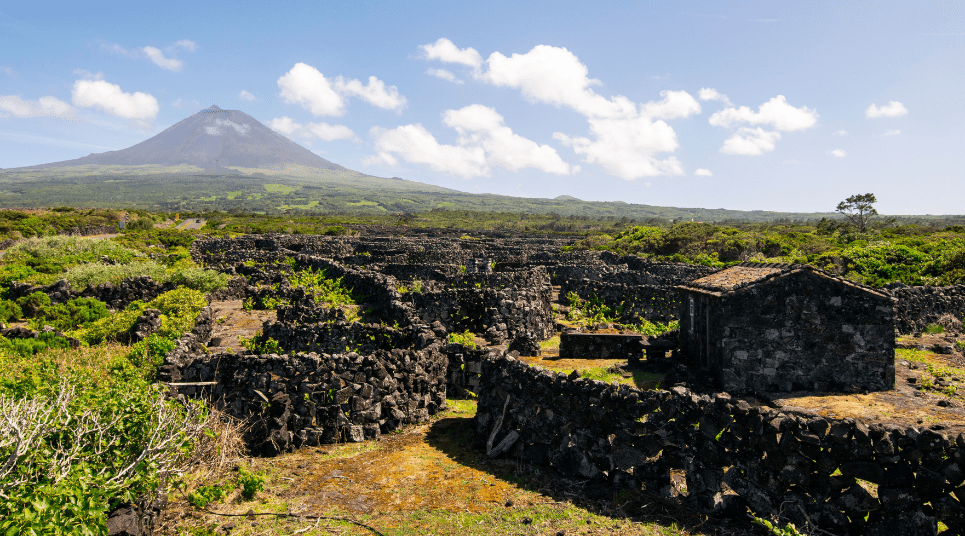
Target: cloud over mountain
(111, 99)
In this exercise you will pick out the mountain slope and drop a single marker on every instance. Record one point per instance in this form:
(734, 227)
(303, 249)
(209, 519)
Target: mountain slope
(212, 139)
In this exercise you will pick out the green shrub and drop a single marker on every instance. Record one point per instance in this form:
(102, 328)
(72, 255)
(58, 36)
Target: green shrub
(336, 230)
(198, 278)
(9, 311)
(98, 273)
(591, 311)
(251, 483)
(260, 345)
(206, 495)
(465, 338)
(115, 327)
(149, 353)
(325, 290)
(934, 329)
(59, 252)
(652, 329)
(877, 264)
(141, 224)
(179, 310)
(31, 347)
(33, 303)
(70, 314)
(15, 272)
(107, 420)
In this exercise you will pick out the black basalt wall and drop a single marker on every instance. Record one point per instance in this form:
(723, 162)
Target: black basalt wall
(774, 463)
(917, 307)
(308, 399)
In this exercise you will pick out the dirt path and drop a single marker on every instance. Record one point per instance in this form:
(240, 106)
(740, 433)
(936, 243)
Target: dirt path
(426, 479)
(233, 323)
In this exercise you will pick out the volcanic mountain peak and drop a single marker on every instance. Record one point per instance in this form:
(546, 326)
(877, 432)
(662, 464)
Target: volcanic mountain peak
(212, 139)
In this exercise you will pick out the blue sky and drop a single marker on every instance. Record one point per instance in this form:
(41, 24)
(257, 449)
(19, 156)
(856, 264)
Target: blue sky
(752, 105)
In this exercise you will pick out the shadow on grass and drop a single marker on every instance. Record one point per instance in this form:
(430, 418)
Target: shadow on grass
(455, 437)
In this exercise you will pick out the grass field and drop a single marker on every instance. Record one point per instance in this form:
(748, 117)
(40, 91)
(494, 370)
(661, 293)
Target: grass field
(426, 479)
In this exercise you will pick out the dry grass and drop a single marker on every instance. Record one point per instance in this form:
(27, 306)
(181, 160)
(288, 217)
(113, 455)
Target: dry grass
(427, 479)
(218, 450)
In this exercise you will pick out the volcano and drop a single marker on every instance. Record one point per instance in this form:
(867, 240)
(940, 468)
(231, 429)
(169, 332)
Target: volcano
(214, 140)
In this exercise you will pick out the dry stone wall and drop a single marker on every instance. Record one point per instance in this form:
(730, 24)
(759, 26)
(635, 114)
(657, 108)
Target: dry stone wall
(774, 463)
(310, 399)
(918, 307)
(116, 296)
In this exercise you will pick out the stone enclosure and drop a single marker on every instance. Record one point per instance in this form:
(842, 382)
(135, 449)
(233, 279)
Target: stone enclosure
(339, 378)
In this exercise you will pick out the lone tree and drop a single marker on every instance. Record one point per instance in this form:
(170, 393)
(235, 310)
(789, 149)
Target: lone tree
(858, 210)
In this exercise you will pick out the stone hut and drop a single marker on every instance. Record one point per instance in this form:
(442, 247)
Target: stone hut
(776, 327)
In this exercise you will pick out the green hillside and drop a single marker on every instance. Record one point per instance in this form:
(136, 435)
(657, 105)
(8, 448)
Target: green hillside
(306, 192)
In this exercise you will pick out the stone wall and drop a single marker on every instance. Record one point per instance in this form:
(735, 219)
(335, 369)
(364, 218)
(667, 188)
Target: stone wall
(600, 346)
(635, 302)
(305, 326)
(775, 463)
(116, 296)
(917, 307)
(496, 314)
(307, 399)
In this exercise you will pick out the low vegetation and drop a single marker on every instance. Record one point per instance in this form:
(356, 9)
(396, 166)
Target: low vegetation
(594, 312)
(910, 254)
(85, 427)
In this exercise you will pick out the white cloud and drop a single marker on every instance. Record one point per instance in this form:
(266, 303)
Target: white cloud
(87, 75)
(323, 131)
(840, 153)
(156, 56)
(187, 44)
(711, 94)
(626, 148)
(775, 112)
(894, 132)
(245, 95)
(481, 126)
(109, 98)
(892, 109)
(701, 172)
(554, 76)
(44, 107)
(674, 104)
(306, 86)
(750, 141)
(375, 93)
(221, 124)
(444, 74)
(626, 139)
(840, 133)
(417, 145)
(114, 48)
(484, 142)
(445, 51)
